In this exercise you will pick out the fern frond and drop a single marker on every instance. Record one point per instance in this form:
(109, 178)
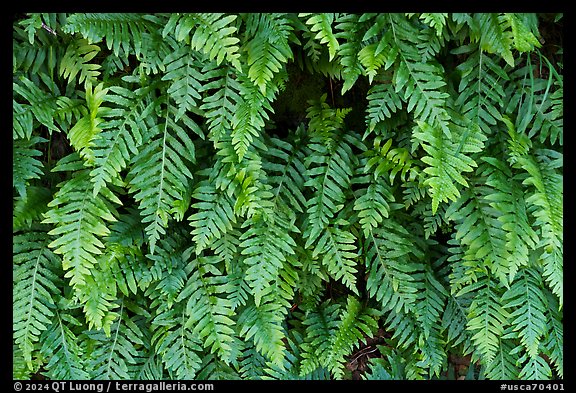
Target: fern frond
(42, 105)
(177, 345)
(481, 233)
(183, 73)
(383, 102)
(437, 21)
(393, 274)
(208, 315)
(121, 31)
(329, 169)
(86, 130)
(526, 303)
(481, 96)
(215, 215)
(76, 61)
(268, 48)
(213, 34)
(62, 346)
(487, 318)
(29, 210)
(535, 369)
(491, 30)
(554, 339)
(263, 325)
(266, 244)
(160, 174)
(35, 281)
(372, 204)
(321, 24)
(123, 129)
(546, 206)
(79, 219)
(509, 198)
(25, 165)
(351, 30)
(454, 321)
(321, 323)
(112, 355)
(423, 83)
(504, 364)
(447, 160)
(219, 105)
(250, 115)
(339, 256)
(355, 325)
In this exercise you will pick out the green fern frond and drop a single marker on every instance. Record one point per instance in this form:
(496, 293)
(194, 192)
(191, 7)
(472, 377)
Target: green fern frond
(487, 318)
(393, 274)
(351, 30)
(41, 104)
(492, 31)
(355, 325)
(522, 26)
(114, 353)
(527, 305)
(454, 321)
(219, 105)
(535, 369)
(177, 345)
(35, 281)
(509, 198)
(321, 24)
(266, 244)
(437, 21)
(339, 256)
(208, 315)
(160, 174)
(447, 160)
(546, 206)
(372, 204)
(214, 217)
(320, 324)
(383, 102)
(250, 115)
(213, 34)
(268, 48)
(25, 165)
(481, 96)
(86, 130)
(423, 84)
(504, 365)
(263, 325)
(554, 338)
(121, 31)
(62, 345)
(29, 210)
(76, 61)
(122, 133)
(183, 73)
(481, 233)
(79, 219)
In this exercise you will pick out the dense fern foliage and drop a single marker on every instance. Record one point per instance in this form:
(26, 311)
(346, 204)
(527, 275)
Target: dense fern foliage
(287, 196)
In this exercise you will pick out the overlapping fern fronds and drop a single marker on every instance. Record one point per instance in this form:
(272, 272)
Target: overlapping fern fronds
(188, 205)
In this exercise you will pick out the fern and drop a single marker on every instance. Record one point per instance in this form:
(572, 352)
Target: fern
(80, 217)
(36, 279)
(313, 196)
(76, 62)
(160, 175)
(212, 35)
(208, 315)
